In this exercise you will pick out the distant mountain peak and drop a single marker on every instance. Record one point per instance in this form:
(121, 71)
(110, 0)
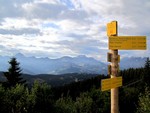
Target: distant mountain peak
(82, 56)
(66, 57)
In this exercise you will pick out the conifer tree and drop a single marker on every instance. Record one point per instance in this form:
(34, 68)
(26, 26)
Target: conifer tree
(146, 77)
(13, 75)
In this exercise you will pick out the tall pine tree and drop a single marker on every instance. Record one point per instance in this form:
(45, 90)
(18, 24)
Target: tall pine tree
(13, 75)
(146, 77)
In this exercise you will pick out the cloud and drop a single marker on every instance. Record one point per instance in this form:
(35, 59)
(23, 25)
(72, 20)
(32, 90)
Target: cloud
(51, 11)
(12, 8)
(24, 31)
(56, 28)
(84, 46)
(43, 10)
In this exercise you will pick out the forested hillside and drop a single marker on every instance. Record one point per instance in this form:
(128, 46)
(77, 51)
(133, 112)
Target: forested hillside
(53, 80)
(79, 97)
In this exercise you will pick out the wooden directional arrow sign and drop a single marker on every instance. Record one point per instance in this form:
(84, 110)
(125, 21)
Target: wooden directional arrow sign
(112, 28)
(127, 42)
(110, 83)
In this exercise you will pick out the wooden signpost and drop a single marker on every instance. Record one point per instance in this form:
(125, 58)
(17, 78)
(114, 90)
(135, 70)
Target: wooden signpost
(118, 43)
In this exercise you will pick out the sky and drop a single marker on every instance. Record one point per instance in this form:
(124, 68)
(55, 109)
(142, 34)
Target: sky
(57, 28)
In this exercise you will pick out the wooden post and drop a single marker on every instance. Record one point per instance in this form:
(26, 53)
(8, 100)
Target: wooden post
(114, 91)
(114, 73)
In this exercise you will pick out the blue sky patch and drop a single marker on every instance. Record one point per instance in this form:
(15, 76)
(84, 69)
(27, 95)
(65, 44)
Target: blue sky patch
(52, 25)
(68, 3)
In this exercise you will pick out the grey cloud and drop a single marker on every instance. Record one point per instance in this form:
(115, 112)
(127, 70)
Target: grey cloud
(8, 50)
(76, 15)
(20, 31)
(45, 10)
(56, 12)
(78, 36)
(49, 48)
(83, 46)
(138, 13)
(40, 53)
(1, 20)
(135, 8)
(82, 43)
(59, 11)
(46, 42)
(12, 8)
(2, 47)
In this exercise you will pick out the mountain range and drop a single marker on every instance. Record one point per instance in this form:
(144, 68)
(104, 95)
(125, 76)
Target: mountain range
(79, 64)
